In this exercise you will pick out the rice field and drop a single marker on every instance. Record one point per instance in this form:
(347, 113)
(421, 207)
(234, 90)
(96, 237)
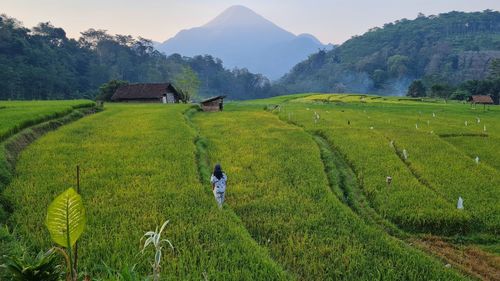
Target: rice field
(137, 170)
(486, 148)
(284, 218)
(281, 194)
(372, 135)
(16, 115)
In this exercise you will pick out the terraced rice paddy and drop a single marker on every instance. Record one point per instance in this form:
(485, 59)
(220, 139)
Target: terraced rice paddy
(281, 194)
(288, 212)
(426, 185)
(17, 115)
(138, 169)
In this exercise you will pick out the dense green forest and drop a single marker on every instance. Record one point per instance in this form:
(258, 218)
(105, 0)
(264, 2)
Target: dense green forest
(488, 86)
(42, 63)
(448, 48)
(452, 52)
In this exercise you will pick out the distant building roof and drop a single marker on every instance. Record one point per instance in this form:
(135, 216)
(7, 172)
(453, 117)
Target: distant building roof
(482, 99)
(212, 99)
(144, 91)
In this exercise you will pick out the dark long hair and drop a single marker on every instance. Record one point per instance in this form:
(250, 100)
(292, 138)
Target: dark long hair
(218, 171)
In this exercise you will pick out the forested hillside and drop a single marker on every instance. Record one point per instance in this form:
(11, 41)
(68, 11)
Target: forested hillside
(450, 48)
(42, 63)
(447, 48)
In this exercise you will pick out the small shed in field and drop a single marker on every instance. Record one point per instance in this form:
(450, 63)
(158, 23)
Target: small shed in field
(481, 99)
(213, 104)
(150, 92)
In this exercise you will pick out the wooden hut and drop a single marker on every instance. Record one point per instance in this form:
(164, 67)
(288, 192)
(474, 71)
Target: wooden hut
(480, 99)
(213, 104)
(151, 92)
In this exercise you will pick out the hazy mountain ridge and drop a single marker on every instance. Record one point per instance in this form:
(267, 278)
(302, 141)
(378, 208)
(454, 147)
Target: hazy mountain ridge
(451, 47)
(244, 39)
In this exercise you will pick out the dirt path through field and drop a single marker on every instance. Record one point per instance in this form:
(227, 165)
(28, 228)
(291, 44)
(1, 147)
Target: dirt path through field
(467, 258)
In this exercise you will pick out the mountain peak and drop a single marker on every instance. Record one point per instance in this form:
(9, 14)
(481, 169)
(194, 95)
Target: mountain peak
(237, 15)
(243, 38)
(239, 9)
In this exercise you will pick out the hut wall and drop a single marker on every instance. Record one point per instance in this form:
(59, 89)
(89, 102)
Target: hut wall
(142, 100)
(171, 98)
(211, 106)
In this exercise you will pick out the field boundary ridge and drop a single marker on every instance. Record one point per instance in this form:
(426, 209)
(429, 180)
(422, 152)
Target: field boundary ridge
(11, 148)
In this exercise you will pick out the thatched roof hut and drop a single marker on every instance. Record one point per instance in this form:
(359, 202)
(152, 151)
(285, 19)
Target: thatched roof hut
(481, 99)
(150, 92)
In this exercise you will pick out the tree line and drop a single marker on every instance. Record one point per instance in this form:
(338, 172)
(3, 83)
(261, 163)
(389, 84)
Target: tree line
(43, 63)
(489, 86)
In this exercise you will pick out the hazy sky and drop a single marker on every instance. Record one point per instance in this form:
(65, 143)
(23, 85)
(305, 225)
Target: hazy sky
(331, 21)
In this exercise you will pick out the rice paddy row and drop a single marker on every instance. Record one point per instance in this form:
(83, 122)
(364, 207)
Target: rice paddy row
(427, 183)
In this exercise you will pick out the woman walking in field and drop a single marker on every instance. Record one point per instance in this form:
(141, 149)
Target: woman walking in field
(218, 181)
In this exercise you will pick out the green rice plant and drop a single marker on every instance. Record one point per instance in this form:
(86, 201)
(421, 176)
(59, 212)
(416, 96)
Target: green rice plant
(487, 148)
(407, 201)
(452, 174)
(142, 162)
(127, 273)
(17, 116)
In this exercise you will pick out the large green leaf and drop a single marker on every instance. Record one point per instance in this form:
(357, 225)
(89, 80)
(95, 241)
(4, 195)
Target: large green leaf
(66, 215)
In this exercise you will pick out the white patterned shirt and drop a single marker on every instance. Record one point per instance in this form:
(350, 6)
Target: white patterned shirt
(220, 184)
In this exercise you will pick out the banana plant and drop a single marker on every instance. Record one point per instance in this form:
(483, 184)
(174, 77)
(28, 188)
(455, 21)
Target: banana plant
(154, 239)
(66, 223)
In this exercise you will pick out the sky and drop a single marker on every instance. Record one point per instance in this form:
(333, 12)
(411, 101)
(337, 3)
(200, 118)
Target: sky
(331, 21)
